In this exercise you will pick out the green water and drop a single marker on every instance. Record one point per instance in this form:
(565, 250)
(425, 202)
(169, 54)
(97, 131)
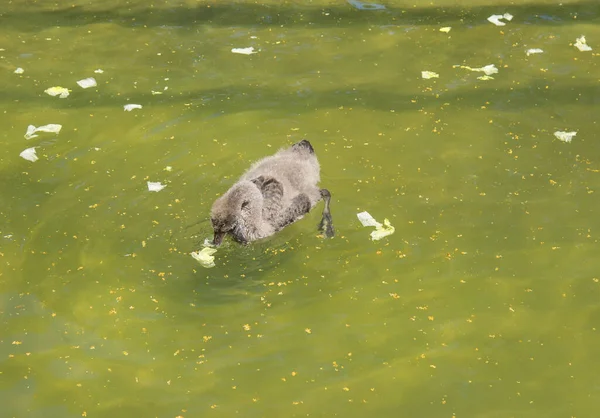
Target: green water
(484, 303)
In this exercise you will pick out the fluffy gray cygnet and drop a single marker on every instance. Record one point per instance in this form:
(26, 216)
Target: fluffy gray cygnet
(275, 192)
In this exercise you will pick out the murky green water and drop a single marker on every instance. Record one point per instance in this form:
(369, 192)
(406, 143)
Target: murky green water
(484, 303)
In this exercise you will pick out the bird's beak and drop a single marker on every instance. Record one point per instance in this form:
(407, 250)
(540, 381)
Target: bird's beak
(218, 239)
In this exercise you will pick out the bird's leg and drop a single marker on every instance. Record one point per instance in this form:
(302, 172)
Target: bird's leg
(326, 224)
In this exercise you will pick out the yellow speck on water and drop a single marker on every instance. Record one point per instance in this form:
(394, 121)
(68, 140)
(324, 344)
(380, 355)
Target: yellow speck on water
(307, 330)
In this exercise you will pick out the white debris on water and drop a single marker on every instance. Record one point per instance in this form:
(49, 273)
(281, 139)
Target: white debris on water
(61, 92)
(155, 186)
(52, 128)
(86, 83)
(565, 136)
(534, 51)
(244, 51)
(130, 107)
(429, 74)
(581, 44)
(495, 19)
(29, 155)
(381, 230)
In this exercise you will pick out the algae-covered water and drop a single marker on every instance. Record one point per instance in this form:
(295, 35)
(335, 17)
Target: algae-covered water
(484, 303)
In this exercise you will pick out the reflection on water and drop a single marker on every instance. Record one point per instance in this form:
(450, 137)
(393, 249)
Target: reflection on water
(483, 303)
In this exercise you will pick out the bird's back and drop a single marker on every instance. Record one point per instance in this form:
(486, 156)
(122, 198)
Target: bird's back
(297, 170)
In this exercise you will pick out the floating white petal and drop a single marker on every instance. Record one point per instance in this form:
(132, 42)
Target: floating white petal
(130, 107)
(244, 51)
(445, 29)
(30, 132)
(29, 155)
(429, 74)
(19, 71)
(581, 44)
(495, 19)
(52, 128)
(99, 71)
(381, 230)
(534, 51)
(155, 186)
(57, 91)
(205, 257)
(488, 69)
(366, 219)
(485, 77)
(86, 83)
(565, 136)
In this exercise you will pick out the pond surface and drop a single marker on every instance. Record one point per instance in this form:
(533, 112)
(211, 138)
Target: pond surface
(485, 302)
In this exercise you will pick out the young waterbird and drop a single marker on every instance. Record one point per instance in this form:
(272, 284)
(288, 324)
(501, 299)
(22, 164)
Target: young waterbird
(275, 192)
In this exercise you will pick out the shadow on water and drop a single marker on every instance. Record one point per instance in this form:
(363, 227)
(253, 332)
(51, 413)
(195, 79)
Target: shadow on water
(241, 270)
(235, 14)
(244, 99)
